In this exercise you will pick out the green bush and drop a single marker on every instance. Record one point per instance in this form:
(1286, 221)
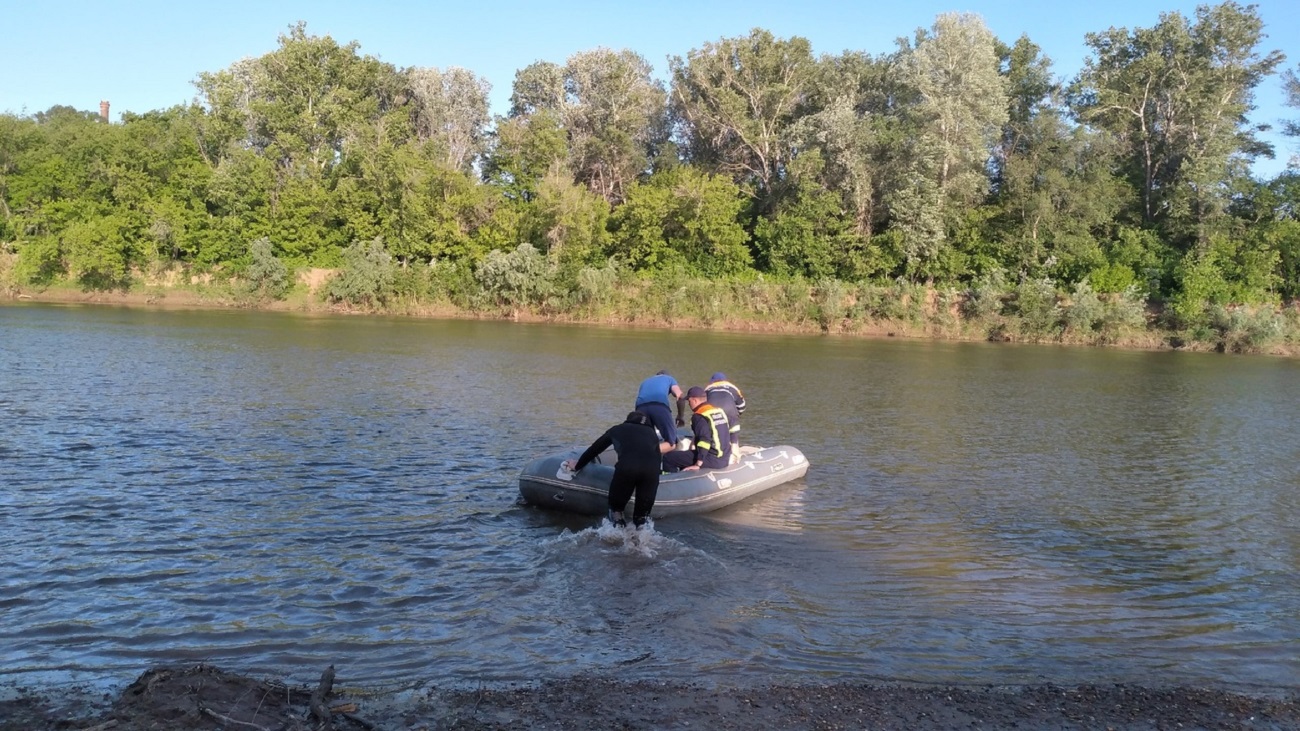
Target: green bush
(520, 278)
(1291, 323)
(596, 286)
(267, 276)
(796, 300)
(1112, 278)
(829, 300)
(1036, 307)
(1200, 284)
(1085, 311)
(947, 303)
(413, 283)
(367, 276)
(1121, 313)
(39, 261)
(453, 282)
(1244, 330)
(986, 297)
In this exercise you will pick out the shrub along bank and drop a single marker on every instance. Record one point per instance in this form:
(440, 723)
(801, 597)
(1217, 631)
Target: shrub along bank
(523, 285)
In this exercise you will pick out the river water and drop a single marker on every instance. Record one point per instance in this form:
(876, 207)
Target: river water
(277, 492)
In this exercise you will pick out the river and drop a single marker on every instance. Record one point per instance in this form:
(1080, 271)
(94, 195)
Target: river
(276, 492)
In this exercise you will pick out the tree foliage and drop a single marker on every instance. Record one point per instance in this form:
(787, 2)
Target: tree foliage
(735, 101)
(1175, 96)
(953, 159)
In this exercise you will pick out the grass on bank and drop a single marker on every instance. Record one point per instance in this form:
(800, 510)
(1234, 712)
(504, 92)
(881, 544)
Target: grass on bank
(524, 284)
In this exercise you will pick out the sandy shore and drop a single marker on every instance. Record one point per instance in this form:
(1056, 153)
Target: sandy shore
(204, 697)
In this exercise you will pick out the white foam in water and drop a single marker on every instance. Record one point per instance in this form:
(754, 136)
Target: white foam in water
(645, 543)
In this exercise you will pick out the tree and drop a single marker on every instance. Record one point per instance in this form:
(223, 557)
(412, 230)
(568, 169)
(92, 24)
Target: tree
(682, 216)
(847, 141)
(615, 116)
(735, 101)
(566, 221)
(1291, 87)
(538, 87)
(525, 149)
(610, 110)
(1055, 194)
(1176, 97)
(450, 108)
(806, 235)
(955, 123)
(299, 103)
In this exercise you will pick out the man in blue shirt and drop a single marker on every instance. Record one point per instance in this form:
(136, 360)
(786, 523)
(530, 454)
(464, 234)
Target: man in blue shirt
(655, 399)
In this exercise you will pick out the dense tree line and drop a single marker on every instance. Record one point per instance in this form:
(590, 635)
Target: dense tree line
(953, 160)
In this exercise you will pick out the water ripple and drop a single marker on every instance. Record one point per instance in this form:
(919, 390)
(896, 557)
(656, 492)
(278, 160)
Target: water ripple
(278, 493)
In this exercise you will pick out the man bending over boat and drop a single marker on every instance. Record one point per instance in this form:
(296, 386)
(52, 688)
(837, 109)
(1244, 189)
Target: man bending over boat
(710, 437)
(725, 395)
(655, 399)
(637, 469)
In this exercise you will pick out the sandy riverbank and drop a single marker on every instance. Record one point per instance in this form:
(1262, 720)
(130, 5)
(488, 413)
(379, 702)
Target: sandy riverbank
(204, 697)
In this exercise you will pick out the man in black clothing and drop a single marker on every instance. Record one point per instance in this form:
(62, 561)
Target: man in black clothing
(637, 470)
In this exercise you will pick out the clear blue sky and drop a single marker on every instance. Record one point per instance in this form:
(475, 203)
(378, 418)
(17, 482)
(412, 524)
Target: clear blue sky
(145, 55)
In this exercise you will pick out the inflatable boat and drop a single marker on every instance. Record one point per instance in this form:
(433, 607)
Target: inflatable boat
(546, 483)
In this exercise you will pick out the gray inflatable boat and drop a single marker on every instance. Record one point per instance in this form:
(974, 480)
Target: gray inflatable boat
(544, 482)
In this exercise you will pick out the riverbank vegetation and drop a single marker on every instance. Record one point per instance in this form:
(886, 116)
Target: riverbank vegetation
(953, 186)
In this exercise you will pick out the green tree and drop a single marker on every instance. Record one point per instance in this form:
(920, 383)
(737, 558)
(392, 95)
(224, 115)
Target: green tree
(615, 115)
(735, 101)
(450, 108)
(1291, 88)
(807, 235)
(538, 87)
(367, 276)
(1055, 195)
(682, 216)
(955, 123)
(1176, 96)
(299, 103)
(566, 221)
(525, 150)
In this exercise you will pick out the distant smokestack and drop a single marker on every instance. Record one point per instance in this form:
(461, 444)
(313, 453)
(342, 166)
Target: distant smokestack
(103, 110)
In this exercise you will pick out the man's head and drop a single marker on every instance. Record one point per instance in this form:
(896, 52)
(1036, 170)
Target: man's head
(696, 396)
(719, 376)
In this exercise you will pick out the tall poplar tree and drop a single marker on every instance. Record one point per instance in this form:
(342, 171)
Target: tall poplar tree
(956, 120)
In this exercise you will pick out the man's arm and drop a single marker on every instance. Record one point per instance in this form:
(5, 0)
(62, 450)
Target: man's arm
(602, 443)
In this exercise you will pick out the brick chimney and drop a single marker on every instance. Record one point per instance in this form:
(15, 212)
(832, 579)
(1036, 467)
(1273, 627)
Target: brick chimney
(103, 110)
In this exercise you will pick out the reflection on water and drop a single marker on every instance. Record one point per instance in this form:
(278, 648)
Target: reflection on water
(275, 493)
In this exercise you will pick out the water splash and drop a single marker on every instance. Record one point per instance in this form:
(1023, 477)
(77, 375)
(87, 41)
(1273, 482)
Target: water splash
(645, 542)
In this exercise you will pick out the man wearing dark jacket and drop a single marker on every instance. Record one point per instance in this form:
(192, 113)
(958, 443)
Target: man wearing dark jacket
(637, 470)
(725, 395)
(710, 440)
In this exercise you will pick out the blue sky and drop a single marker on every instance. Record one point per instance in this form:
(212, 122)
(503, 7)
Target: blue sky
(145, 55)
